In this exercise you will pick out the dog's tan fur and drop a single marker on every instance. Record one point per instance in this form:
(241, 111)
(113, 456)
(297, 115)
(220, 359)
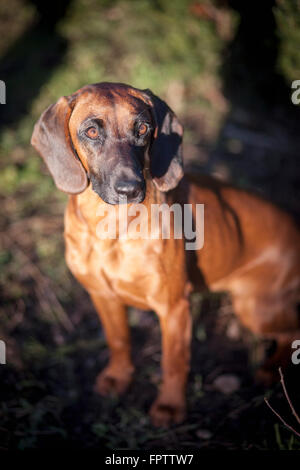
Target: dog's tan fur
(251, 249)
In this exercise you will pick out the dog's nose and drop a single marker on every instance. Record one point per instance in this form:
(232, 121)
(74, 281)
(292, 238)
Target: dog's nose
(129, 188)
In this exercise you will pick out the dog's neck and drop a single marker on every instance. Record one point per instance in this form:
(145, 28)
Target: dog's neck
(89, 209)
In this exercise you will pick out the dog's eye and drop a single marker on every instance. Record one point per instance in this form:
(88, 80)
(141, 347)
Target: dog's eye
(142, 129)
(92, 132)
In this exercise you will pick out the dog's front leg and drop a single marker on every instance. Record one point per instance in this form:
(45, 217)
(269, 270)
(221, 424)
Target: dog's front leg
(116, 377)
(170, 404)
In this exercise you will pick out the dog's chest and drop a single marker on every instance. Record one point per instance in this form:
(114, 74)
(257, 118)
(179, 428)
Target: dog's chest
(132, 269)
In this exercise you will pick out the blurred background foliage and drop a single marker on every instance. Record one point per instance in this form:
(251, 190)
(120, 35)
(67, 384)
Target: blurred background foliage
(225, 67)
(287, 15)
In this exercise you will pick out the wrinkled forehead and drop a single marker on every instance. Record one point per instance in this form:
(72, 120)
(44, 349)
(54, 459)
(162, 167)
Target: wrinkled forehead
(113, 104)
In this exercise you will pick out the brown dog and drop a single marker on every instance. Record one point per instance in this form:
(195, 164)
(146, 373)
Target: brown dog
(111, 143)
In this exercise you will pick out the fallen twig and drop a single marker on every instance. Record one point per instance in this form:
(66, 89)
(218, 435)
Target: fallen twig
(287, 396)
(290, 405)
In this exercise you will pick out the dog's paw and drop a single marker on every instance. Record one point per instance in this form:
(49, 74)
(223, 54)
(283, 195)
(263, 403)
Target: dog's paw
(111, 382)
(164, 414)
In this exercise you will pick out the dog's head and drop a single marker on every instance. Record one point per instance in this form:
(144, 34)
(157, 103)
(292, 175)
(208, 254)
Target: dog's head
(104, 133)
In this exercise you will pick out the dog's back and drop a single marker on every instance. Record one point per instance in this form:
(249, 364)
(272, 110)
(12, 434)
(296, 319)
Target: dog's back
(252, 250)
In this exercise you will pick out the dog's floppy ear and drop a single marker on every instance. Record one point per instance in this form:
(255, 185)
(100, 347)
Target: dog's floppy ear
(51, 138)
(166, 165)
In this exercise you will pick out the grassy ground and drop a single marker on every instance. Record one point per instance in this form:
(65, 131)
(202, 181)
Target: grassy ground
(55, 347)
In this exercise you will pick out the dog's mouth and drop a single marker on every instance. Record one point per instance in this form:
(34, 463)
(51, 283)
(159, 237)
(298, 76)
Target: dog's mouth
(119, 200)
(122, 192)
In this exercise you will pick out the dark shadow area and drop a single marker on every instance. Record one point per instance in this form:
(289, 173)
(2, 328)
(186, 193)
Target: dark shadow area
(258, 147)
(31, 60)
(250, 68)
(260, 141)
